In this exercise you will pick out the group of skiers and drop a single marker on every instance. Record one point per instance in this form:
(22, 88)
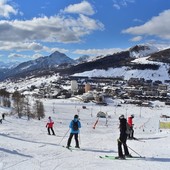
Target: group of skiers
(74, 131)
(74, 126)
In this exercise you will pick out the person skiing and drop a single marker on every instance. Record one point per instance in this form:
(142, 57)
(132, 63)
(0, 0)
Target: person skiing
(130, 122)
(3, 116)
(49, 126)
(74, 131)
(122, 139)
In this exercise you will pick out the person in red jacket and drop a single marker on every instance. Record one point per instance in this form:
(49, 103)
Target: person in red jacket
(130, 122)
(49, 126)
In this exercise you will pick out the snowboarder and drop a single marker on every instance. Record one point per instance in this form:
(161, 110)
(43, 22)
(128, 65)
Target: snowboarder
(130, 122)
(122, 139)
(49, 125)
(74, 131)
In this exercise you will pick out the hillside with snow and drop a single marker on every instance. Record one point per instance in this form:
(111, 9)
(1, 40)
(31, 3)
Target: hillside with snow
(126, 72)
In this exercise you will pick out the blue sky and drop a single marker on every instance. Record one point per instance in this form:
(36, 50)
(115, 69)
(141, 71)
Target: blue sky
(30, 29)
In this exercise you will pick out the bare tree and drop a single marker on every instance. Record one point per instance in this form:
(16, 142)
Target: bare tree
(5, 98)
(18, 103)
(27, 107)
(39, 109)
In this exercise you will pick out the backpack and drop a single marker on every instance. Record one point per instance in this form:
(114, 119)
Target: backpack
(75, 125)
(128, 129)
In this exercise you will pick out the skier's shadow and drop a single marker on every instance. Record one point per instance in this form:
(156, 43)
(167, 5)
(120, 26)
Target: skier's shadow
(16, 138)
(14, 152)
(151, 138)
(158, 159)
(99, 150)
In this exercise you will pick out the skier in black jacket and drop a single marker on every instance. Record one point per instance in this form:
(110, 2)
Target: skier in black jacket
(122, 139)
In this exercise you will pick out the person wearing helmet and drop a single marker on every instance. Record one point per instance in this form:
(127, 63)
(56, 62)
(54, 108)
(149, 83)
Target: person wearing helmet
(130, 122)
(49, 126)
(74, 131)
(122, 139)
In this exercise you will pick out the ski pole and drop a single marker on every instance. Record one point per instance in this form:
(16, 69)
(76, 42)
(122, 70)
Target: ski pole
(133, 150)
(130, 148)
(79, 139)
(64, 136)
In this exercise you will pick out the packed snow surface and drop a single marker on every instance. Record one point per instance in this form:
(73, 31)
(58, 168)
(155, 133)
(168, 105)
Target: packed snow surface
(25, 144)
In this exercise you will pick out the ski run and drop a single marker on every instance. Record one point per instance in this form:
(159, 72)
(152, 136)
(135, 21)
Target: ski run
(26, 145)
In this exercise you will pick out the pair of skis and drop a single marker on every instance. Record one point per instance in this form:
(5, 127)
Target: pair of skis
(73, 148)
(116, 157)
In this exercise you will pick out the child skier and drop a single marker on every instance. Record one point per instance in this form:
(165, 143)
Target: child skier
(49, 126)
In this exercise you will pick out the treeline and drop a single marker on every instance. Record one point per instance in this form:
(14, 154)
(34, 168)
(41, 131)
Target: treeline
(144, 66)
(21, 105)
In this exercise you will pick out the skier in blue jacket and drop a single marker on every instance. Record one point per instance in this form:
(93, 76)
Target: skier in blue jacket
(74, 131)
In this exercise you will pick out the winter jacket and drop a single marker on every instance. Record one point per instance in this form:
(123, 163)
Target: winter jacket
(122, 126)
(130, 121)
(50, 123)
(71, 126)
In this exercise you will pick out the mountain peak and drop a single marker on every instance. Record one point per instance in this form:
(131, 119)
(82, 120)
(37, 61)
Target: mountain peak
(142, 51)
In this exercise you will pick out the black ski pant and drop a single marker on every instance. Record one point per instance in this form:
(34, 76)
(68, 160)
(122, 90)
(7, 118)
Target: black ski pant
(122, 141)
(131, 135)
(70, 138)
(51, 130)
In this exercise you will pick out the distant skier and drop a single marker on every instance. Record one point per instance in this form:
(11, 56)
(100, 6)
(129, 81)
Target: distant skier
(49, 126)
(122, 139)
(74, 131)
(130, 122)
(3, 116)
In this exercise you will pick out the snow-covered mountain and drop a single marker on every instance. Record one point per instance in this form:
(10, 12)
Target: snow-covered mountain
(82, 59)
(51, 61)
(142, 50)
(8, 65)
(59, 63)
(38, 65)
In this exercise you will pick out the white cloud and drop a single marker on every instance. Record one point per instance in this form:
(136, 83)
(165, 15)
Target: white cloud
(157, 26)
(98, 52)
(14, 55)
(121, 3)
(21, 46)
(52, 29)
(137, 38)
(137, 20)
(116, 6)
(37, 55)
(28, 46)
(6, 9)
(21, 56)
(82, 8)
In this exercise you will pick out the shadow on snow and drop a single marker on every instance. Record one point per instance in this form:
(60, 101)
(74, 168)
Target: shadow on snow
(14, 152)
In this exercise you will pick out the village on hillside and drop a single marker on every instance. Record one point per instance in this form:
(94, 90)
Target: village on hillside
(134, 91)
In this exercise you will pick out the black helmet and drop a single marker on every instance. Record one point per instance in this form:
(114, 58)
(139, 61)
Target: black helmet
(121, 117)
(132, 116)
(76, 116)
